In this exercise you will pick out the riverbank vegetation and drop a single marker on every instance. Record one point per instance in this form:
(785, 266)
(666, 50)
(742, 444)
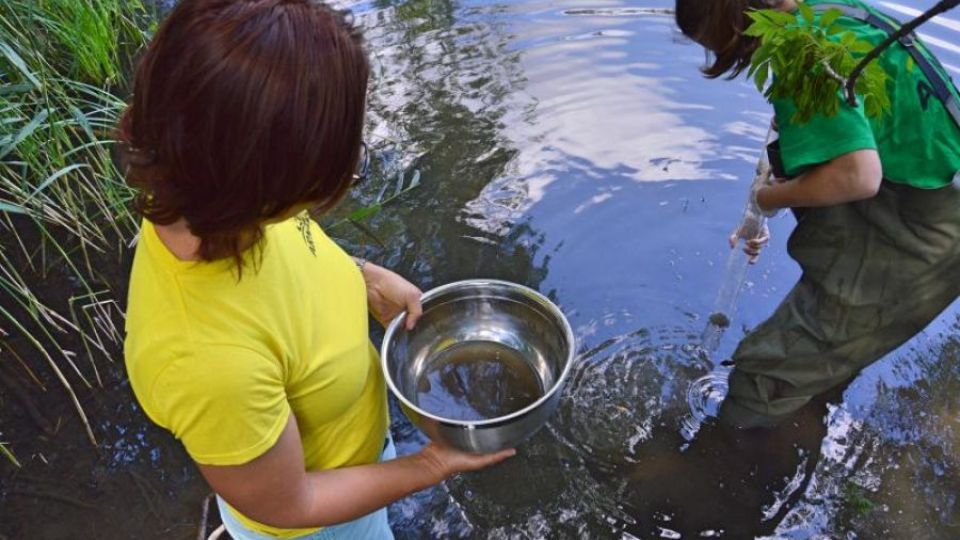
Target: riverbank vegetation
(64, 208)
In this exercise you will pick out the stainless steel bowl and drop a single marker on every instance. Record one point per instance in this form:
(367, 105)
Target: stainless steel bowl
(481, 310)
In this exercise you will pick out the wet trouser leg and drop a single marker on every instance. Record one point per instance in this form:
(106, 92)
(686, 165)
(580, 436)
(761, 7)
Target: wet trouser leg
(875, 273)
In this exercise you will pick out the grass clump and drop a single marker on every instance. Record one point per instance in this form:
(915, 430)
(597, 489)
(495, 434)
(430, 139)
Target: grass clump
(64, 207)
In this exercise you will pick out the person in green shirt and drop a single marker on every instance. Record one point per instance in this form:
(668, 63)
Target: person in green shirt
(877, 202)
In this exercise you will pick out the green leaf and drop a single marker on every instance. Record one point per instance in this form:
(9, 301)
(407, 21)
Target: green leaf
(365, 212)
(807, 12)
(12, 208)
(9, 455)
(53, 178)
(757, 29)
(782, 18)
(761, 78)
(21, 88)
(762, 55)
(835, 29)
(83, 121)
(27, 130)
(17, 61)
(830, 16)
(780, 56)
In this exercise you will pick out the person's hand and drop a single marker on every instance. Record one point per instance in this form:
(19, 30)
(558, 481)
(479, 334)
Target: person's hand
(755, 236)
(388, 294)
(444, 461)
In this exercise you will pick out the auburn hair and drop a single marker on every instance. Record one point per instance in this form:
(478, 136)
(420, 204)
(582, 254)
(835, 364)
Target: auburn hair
(243, 110)
(718, 25)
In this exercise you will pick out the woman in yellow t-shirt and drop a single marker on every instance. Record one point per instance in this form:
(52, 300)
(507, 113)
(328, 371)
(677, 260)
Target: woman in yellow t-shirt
(247, 328)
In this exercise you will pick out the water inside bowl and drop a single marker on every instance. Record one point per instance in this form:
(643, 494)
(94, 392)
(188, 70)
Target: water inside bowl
(477, 380)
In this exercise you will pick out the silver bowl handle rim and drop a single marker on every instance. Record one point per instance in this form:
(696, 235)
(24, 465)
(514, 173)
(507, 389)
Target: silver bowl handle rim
(394, 325)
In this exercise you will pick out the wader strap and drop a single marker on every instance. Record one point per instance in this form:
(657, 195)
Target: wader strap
(940, 82)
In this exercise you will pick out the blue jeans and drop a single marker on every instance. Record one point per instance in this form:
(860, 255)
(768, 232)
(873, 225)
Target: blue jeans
(370, 527)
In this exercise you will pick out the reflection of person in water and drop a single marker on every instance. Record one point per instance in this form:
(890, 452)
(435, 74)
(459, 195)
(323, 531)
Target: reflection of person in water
(878, 210)
(740, 483)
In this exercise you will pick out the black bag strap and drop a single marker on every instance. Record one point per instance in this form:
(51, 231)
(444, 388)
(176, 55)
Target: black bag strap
(940, 82)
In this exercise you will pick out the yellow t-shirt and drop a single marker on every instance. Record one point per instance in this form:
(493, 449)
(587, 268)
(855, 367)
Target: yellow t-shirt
(221, 363)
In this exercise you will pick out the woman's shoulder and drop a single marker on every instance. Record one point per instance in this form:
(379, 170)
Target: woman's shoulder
(174, 380)
(225, 402)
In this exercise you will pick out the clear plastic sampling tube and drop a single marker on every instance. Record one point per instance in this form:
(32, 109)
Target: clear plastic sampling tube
(752, 225)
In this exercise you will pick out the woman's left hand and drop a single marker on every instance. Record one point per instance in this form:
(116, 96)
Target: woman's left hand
(388, 294)
(754, 235)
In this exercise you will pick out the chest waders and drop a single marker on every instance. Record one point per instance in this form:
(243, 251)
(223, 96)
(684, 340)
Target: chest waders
(875, 273)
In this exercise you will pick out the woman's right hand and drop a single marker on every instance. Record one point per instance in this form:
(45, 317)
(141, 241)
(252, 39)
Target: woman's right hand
(445, 461)
(276, 489)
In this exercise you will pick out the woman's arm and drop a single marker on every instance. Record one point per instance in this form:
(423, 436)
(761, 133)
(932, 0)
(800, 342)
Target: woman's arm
(274, 489)
(850, 177)
(388, 294)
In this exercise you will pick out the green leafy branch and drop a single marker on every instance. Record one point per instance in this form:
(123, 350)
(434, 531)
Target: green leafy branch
(811, 59)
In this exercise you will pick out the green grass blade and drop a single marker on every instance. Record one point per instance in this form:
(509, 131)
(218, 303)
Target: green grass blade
(17, 61)
(12, 208)
(27, 130)
(9, 455)
(53, 178)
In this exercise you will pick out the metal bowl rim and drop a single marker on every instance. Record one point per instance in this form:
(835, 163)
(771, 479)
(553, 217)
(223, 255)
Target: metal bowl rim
(467, 284)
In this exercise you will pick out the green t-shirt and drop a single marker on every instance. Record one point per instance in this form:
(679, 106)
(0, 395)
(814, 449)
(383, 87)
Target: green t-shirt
(918, 141)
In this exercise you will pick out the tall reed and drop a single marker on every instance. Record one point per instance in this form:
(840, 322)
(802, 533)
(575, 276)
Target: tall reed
(64, 207)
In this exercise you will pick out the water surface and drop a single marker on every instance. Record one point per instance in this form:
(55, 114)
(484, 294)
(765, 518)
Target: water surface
(477, 380)
(573, 146)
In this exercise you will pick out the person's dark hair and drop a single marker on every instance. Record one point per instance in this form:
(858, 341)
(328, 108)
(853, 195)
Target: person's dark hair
(718, 25)
(243, 110)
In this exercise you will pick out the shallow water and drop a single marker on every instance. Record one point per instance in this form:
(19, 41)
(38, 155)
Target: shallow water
(573, 147)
